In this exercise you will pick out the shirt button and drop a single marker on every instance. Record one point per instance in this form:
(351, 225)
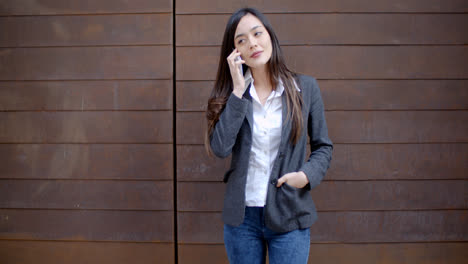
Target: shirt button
(264, 132)
(273, 182)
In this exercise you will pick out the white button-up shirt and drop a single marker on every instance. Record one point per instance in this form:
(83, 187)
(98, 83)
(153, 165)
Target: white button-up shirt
(266, 136)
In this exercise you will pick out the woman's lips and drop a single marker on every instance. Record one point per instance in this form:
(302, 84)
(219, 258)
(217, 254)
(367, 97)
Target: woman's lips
(256, 54)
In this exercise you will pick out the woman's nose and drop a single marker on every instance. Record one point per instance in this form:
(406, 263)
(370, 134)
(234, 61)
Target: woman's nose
(253, 42)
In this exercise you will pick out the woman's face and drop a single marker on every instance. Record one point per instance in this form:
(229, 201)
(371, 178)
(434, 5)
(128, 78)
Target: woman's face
(253, 41)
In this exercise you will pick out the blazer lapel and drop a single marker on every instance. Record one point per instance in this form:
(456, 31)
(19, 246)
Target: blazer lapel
(249, 114)
(285, 126)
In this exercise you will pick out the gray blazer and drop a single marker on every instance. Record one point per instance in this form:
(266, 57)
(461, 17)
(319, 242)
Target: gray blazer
(287, 208)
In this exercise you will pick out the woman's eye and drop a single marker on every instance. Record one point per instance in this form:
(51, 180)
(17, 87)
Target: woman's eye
(240, 41)
(258, 33)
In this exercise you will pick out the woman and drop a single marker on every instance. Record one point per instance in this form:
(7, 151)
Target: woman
(262, 118)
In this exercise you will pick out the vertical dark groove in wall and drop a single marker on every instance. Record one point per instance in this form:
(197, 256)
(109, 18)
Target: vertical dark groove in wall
(174, 130)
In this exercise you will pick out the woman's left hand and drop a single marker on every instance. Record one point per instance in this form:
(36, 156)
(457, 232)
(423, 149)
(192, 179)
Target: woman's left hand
(295, 179)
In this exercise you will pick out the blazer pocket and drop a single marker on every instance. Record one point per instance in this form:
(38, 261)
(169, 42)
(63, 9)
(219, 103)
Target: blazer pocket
(290, 186)
(293, 202)
(227, 174)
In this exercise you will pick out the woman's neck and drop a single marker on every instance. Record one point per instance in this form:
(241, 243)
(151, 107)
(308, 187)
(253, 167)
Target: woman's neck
(262, 80)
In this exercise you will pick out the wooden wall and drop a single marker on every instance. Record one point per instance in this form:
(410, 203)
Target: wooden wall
(393, 76)
(86, 132)
(88, 128)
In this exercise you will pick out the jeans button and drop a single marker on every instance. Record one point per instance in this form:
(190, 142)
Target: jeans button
(273, 182)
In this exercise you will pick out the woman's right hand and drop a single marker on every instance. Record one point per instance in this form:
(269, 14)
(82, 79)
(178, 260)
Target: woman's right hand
(237, 77)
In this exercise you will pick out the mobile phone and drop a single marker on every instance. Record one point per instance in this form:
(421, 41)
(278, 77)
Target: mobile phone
(240, 65)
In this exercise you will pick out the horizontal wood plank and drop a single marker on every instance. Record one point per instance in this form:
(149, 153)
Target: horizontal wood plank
(353, 195)
(357, 94)
(40, 31)
(82, 194)
(86, 127)
(301, 6)
(344, 62)
(58, 7)
(192, 124)
(363, 126)
(192, 95)
(87, 225)
(403, 253)
(351, 162)
(86, 95)
(398, 126)
(83, 161)
(398, 161)
(194, 164)
(201, 254)
(394, 94)
(348, 227)
(73, 63)
(310, 29)
(58, 252)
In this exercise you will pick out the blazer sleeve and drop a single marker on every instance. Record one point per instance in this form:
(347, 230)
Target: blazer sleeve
(226, 129)
(321, 146)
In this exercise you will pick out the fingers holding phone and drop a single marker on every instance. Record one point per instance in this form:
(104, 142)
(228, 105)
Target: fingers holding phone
(238, 58)
(235, 62)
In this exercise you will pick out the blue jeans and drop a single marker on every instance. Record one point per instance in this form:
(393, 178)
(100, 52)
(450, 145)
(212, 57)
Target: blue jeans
(248, 242)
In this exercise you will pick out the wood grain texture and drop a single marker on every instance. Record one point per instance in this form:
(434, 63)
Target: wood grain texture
(399, 161)
(86, 127)
(312, 29)
(86, 194)
(357, 94)
(201, 254)
(344, 62)
(404, 253)
(348, 227)
(73, 63)
(128, 29)
(194, 164)
(58, 252)
(87, 161)
(364, 126)
(69, 7)
(279, 6)
(398, 126)
(86, 131)
(347, 195)
(86, 95)
(87, 225)
(394, 94)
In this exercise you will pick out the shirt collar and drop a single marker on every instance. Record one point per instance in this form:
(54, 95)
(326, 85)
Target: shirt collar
(249, 78)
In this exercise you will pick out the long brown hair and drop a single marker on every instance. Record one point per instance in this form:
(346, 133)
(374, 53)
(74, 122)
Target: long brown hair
(277, 70)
